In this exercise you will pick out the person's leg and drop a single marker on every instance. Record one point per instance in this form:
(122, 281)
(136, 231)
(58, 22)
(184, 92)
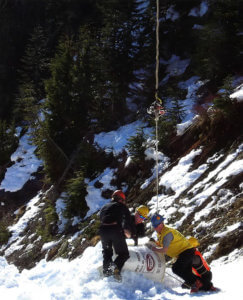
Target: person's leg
(207, 281)
(120, 247)
(183, 267)
(202, 269)
(106, 251)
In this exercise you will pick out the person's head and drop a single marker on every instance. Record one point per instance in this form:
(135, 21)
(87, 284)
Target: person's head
(157, 222)
(141, 213)
(119, 196)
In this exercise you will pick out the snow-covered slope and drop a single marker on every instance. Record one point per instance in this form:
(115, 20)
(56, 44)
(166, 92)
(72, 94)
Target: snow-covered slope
(79, 279)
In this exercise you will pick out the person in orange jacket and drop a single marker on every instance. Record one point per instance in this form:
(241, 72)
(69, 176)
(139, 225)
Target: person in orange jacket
(172, 243)
(200, 267)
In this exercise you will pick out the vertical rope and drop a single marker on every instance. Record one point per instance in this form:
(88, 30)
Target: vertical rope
(157, 164)
(157, 52)
(156, 97)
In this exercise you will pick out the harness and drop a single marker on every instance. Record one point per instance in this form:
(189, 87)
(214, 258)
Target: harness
(199, 266)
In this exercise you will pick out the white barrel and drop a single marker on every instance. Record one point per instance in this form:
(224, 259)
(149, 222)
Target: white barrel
(143, 260)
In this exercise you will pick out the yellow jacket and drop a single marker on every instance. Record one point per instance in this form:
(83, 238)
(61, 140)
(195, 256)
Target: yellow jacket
(177, 245)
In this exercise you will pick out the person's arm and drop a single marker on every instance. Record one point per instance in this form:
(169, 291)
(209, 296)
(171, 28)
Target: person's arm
(160, 249)
(166, 243)
(127, 233)
(140, 230)
(127, 221)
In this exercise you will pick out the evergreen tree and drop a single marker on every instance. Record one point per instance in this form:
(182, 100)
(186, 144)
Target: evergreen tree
(115, 39)
(27, 105)
(65, 104)
(177, 110)
(65, 113)
(219, 43)
(223, 101)
(136, 146)
(8, 140)
(35, 62)
(17, 20)
(76, 192)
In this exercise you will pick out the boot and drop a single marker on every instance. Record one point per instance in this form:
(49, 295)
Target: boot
(214, 289)
(196, 286)
(117, 275)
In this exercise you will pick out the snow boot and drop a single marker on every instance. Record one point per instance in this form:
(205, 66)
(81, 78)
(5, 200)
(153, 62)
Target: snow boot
(196, 286)
(117, 275)
(214, 289)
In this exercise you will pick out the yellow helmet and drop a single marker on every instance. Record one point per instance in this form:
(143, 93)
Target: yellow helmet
(193, 241)
(143, 211)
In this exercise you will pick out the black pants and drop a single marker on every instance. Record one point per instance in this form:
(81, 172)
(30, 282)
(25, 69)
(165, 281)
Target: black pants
(206, 280)
(183, 266)
(113, 236)
(206, 275)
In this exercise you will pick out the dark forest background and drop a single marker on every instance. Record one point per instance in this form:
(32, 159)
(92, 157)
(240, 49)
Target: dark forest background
(66, 67)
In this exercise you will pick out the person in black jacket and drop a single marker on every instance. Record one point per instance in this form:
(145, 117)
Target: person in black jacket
(138, 227)
(115, 226)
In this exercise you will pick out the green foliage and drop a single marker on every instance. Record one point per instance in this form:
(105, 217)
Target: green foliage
(93, 160)
(65, 111)
(137, 145)
(26, 107)
(54, 160)
(210, 54)
(16, 23)
(47, 228)
(33, 71)
(4, 234)
(166, 129)
(8, 140)
(223, 101)
(91, 229)
(76, 192)
(104, 52)
(177, 111)
(219, 41)
(35, 62)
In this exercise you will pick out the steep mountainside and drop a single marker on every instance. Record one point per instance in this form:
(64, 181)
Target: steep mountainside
(200, 192)
(78, 80)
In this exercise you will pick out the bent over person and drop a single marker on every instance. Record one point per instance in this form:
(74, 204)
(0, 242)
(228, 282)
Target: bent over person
(115, 227)
(172, 243)
(138, 227)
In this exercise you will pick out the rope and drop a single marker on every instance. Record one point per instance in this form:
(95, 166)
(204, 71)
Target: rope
(156, 108)
(178, 280)
(157, 98)
(157, 164)
(157, 52)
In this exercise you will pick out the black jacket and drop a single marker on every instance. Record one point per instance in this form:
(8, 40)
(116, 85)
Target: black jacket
(138, 230)
(116, 212)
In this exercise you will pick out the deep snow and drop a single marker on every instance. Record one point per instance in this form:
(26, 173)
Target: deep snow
(79, 279)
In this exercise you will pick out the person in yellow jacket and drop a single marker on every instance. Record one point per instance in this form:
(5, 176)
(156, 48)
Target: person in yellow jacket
(172, 243)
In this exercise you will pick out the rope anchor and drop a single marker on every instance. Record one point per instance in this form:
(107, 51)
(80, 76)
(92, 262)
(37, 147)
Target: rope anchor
(157, 109)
